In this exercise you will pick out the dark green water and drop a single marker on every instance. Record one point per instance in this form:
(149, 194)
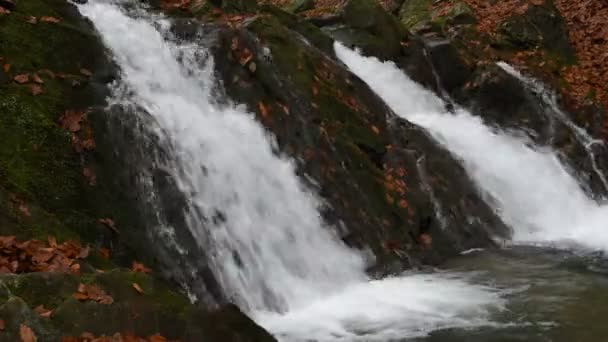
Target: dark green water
(552, 296)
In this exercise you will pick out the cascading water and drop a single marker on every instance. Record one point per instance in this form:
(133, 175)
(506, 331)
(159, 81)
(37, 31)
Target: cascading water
(549, 98)
(268, 246)
(533, 191)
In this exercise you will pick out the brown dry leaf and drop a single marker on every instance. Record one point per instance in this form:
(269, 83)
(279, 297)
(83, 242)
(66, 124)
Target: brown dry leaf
(140, 268)
(86, 72)
(43, 312)
(52, 241)
(37, 79)
(263, 109)
(2, 325)
(25, 210)
(48, 19)
(71, 120)
(22, 78)
(4, 10)
(27, 334)
(94, 293)
(108, 222)
(157, 338)
(47, 72)
(426, 240)
(138, 288)
(32, 20)
(90, 176)
(6, 67)
(105, 253)
(36, 89)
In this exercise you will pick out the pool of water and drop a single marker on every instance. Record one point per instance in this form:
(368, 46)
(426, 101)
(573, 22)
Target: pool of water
(552, 295)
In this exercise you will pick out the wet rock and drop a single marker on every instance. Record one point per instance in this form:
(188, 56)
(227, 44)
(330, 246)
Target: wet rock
(445, 59)
(414, 14)
(347, 141)
(366, 25)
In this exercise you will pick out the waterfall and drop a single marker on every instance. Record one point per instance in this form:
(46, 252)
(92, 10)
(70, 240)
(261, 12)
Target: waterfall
(532, 191)
(267, 244)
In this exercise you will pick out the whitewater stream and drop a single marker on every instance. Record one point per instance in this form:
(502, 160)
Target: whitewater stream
(269, 248)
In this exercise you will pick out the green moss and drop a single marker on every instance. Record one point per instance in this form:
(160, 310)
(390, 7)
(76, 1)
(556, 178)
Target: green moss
(415, 13)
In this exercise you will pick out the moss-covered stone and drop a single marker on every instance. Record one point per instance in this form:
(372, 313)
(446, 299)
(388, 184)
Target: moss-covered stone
(157, 310)
(414, 14)
(541, 26)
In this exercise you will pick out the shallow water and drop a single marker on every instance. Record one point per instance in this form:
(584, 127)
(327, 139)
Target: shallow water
(552, 296)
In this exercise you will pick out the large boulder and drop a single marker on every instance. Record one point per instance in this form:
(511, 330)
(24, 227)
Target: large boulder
(379, 175)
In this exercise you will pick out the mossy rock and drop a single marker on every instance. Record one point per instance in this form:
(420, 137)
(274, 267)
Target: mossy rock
(459, 13)
(297, 6)
(414, 14)
(156, 310)
(541, 26)
(366, 25)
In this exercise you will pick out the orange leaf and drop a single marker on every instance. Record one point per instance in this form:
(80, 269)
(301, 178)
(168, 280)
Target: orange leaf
(27, 334)
(52, 241)
(43, 312)
(263, 109)
(23, 78)
(157, 338)
(51, 20)
(105, 253)
(140, 268)
(138, 288)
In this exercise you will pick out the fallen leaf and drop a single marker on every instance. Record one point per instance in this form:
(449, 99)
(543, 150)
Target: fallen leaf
(36, 89)
(22, 78)
(43, 312)
(27, 334)
(52, 241)
(47, 72)
(37, 79)
(71, 119)
(89, 174)
(426, 240)
(2, 325)
(263, 109)
(32, 20)
(108, 222)
(86, 72)
(7, 67)
(25, 210)
(140, 268)
(138, 288)
(52, 20)
(157, 338)
(4, 10)
(105, 253)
